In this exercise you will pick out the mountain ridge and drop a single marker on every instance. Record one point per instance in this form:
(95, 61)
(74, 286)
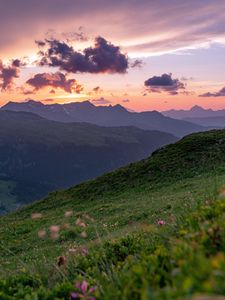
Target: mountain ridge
(194, 112)
(109, 116)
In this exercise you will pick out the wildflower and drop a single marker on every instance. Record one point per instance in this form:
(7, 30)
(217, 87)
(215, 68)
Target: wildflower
(161, 222)
(83, 292)
(72, 250)
(36, 216)
(84, 251)
(83, 234)
(80, 223)
(61, 260)
(54, 231)
(68, 213)
(54, 228)
(41, 234)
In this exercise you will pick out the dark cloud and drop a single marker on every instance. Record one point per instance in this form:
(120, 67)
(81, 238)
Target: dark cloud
(138, 63)
(104, 57)
(97, 89)
(220, 93)
(164, 83)
(126, 100)
(101, 101)
(8, 74)
(54, 80)
(18, 63)
(40, 43)
(78, 35)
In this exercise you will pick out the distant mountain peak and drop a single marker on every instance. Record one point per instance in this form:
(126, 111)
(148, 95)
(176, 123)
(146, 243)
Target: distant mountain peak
(119, 107)
(195, 112)
(197, 108)
(34, 102)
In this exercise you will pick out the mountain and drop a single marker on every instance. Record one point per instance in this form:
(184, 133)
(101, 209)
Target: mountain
(151, 230)
(38, 155)
(213, 122)
(105, 116)
(195, 112)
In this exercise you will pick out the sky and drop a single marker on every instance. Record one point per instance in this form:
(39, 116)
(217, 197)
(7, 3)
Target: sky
(142, 54)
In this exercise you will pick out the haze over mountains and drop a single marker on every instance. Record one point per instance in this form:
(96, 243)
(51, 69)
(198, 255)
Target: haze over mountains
(200, 116)
(38, 155)
(105, 116)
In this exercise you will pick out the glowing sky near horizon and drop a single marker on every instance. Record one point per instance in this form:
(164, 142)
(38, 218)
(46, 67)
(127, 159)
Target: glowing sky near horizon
(182, 38)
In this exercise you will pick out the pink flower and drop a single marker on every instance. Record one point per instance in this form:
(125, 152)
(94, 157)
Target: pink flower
(161, 222)
(82, 286)
(83, 291)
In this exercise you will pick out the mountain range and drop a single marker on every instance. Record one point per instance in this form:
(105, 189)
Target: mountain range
(105, 116)
(39, 155)
(199, 116)
(194, 112)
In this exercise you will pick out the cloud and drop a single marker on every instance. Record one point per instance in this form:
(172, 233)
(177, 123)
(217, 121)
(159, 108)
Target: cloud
(78, 35)
(8, 74)
(18, 63)
(97, 89)
(164, 83)
(101, 101)
(138, 63)
(180, 23)
(48, 100)
(54, 80)
(104, 57)
(183, 78)
(220, 93)
(126, 100)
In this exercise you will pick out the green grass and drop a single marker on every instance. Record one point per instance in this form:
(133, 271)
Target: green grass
(123, 238)
(8, 200)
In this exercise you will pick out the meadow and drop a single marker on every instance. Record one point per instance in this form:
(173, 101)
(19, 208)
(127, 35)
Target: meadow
(151, 230)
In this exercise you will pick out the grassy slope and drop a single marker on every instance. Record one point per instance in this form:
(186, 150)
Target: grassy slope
(168, 186)
(7, 198)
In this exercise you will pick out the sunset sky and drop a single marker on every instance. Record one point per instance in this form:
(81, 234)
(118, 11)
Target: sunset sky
(143, 54)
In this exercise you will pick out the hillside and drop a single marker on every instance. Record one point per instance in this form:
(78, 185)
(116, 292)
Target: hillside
(126, 232)
(38, 155)
(110, 115)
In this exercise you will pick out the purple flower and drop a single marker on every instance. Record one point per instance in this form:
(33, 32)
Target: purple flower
(74, 295)
(83, 292)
